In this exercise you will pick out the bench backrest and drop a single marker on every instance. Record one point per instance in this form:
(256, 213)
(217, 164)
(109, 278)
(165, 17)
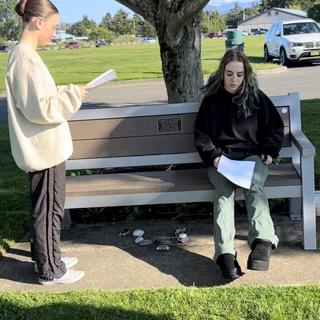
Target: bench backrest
(152, 134)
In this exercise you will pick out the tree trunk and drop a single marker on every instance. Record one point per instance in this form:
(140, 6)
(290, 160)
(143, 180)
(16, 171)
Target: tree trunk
(177, 23)
(181, 64)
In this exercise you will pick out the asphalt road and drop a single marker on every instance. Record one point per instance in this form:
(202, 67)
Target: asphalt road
(304, 79)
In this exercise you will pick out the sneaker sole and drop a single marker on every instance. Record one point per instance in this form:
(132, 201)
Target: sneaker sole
(54, 282)
(258, 265)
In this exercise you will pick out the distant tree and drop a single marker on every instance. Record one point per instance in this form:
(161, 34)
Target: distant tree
(251, 12)
(204, 21)
(212, 22)
(307, 4)
(234, 16)
(83, 27)
(279, 3)
(141, 27)
(293, 4)
(217, 22)
(263, 6)
(9, 21)
(314, 12)
(107, 21)
(121, 23)
(101, 33)
(136, 25)
(148, 30)
(177, 23)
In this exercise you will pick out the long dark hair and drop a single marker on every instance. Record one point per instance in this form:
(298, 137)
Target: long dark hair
(247, 96)
(35, 8)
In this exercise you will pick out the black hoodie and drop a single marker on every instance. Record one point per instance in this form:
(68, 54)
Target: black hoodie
(219, 129)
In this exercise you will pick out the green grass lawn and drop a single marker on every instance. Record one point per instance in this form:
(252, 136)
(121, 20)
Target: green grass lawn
(242, 303)
(135, 61)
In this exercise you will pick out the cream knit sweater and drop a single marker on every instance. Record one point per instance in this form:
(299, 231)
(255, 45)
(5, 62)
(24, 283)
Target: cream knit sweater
(38, 111)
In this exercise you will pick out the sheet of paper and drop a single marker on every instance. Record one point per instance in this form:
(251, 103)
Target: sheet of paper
(102, 79)
(237, 171)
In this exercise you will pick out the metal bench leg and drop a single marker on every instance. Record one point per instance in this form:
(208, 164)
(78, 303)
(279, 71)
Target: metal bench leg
(66, 221)
(295, 209)
(308, 204)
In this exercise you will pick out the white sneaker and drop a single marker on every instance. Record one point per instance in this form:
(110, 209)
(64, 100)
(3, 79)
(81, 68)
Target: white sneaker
(68, 261)
(71, 276)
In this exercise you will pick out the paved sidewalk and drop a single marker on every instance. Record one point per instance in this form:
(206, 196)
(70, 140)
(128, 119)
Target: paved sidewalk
(116, 263)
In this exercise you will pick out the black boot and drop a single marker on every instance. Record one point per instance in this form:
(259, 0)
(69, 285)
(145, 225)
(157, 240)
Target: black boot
(260, 255)
(229, 266)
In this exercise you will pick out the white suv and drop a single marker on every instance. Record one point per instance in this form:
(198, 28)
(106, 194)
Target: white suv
(292, 41)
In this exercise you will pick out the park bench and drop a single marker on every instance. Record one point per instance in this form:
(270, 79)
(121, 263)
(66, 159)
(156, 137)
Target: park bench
(162, 135)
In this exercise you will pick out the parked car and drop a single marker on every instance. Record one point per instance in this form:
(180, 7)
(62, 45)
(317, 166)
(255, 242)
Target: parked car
(147, 40)
(73, 45)
(260, 32)
(101, 43)
(4, 48)
(293, 41)
(215, 35)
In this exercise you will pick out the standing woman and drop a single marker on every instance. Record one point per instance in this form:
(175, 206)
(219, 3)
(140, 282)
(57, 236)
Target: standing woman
(239, 121)
(40, 139)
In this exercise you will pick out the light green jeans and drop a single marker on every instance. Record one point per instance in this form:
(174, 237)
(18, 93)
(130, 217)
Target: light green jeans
(260, 222)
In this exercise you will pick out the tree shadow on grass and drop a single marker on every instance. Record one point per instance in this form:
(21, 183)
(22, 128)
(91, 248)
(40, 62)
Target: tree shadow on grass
(74, 311)
(254, 59)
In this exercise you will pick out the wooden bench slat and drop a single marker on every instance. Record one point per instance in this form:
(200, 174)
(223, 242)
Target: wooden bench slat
(163, 181)
(131, 126)
(152, 145)
(135, 146)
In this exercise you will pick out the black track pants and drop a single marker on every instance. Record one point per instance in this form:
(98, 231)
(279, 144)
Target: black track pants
(47, 191)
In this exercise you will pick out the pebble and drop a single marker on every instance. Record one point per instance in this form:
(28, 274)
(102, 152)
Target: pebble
(182, 237)
(163, 247)
(138, 240)
(145, 242)
(138, 233)
(124, 232)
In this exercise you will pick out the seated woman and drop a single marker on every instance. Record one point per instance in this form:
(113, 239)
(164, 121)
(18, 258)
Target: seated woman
(239, 121)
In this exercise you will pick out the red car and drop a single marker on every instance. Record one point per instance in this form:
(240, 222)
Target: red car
(215, 35)
(73, 45)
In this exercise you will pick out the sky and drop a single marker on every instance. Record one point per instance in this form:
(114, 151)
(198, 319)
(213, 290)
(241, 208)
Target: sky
(72, 11)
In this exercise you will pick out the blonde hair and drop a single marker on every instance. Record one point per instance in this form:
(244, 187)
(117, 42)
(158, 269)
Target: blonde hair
(247, 96)
(35, 8)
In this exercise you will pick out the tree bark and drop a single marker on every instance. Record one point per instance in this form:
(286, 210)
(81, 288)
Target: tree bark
(177, 23)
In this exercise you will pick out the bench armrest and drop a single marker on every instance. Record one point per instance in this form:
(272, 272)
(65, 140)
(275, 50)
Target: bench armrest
(305, 147)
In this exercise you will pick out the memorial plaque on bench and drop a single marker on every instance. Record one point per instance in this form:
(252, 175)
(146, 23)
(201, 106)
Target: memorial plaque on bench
(170, 125)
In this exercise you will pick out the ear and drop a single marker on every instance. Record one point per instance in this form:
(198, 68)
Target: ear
(38, 22)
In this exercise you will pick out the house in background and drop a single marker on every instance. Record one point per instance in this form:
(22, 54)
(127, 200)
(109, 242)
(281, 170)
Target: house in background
(63, 36)
(263, 21)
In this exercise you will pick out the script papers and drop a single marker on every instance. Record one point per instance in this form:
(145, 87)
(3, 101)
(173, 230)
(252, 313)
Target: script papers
(236, 171)
(102, 79)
